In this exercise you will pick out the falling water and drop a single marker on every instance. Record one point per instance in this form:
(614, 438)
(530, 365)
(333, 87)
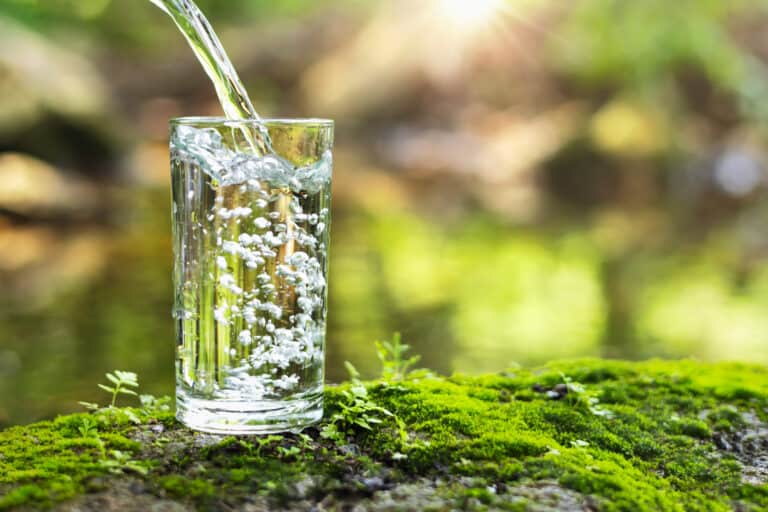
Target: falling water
(209, 51)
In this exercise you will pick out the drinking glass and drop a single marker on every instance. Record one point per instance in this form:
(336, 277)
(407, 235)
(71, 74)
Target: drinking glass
(250, 243)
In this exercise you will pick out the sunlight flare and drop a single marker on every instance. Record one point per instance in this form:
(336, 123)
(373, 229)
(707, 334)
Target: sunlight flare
(469, 16)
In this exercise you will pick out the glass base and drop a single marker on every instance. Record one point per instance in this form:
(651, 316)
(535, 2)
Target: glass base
(249, 417)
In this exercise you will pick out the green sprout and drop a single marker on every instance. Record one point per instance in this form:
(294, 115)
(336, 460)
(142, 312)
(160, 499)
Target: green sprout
(394, 365)
(357, 410)
(122, 381)
(88, 428)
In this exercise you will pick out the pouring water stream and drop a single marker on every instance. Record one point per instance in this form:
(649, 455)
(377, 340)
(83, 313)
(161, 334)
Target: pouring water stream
(217, 65)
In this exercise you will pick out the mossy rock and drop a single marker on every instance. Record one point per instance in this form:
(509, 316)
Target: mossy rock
(578, 435)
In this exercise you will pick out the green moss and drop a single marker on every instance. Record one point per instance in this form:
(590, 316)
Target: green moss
(181, 487)
(50, 461)
(695, 428)
(753, 494)
(631, 436)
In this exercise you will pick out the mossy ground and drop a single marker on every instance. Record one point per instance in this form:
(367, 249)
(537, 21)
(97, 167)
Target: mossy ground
(580, 435)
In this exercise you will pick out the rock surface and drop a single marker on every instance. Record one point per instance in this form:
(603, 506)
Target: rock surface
(572, 436)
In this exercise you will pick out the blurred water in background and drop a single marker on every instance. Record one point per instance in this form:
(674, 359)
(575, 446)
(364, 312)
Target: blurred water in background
(514, 181)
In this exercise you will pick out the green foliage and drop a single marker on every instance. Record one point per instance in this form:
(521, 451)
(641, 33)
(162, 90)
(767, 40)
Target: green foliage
(355, 410)
(121, 384)
(117, 23)
(121, 381)
(358, 410)
(628, 46)
(116, 461)
(152, 405)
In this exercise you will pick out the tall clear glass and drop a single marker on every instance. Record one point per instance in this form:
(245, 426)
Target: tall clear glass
(250, 241)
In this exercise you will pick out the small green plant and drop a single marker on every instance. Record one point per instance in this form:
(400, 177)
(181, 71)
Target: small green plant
(151, 405)
(88, 428)
(394, 365)
(331, 432)
(356, 410)
(360, 410)
(116, 461)
(121, 384)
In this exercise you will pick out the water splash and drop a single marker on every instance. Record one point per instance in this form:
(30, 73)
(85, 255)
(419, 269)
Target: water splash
(205, 147)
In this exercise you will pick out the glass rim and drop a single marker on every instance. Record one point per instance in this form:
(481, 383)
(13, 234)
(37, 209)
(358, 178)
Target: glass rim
(308, 122)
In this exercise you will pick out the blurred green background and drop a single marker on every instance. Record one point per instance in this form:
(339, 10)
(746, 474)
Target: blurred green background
(515, 181)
